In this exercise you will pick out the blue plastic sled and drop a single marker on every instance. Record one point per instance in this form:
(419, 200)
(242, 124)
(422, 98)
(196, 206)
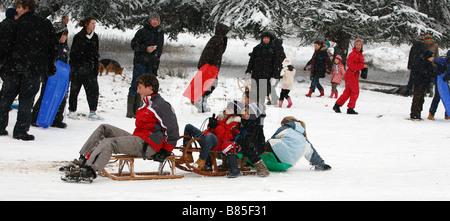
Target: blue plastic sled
(55, 90)
(444, 92)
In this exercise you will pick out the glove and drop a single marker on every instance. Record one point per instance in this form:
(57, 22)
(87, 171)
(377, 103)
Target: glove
(446, 77)
(51, 70)
(212, 122)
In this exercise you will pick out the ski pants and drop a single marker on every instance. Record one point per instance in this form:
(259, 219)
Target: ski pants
(26, 85)
(351, 90)
(87, 77)
(107, 140)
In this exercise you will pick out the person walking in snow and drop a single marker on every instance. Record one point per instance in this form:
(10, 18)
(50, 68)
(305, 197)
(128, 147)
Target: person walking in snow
(212, 55)
(32, 54)
(320, 64)
(262, 67)
(147, 45)
(442, 66)
(355, 63)
(287, 83)
(289, 143)
(155, 135)
(337, 73)
(84, 55)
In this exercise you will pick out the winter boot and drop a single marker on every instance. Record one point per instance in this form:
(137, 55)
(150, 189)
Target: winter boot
(336, 95)
(199, 164)
(289, 102)
(130, 106)
(322, 167)
(430, 116)
(85, 173)
(280, 103)
(351, 111)
(337, 108)
(74, 164)
(309, 93)
(232, 163)
(332, 94)
(322, 93)
(261, 168)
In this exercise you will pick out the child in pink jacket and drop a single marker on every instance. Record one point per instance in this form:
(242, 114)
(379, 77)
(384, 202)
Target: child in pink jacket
(337, 72)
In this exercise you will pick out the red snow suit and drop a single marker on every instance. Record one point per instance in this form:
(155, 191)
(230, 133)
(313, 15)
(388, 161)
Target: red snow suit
(225, 133)
(355, 63)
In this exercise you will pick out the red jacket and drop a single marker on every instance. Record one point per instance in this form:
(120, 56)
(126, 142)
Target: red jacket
(225, 132)
(355, 62)
(156, 123)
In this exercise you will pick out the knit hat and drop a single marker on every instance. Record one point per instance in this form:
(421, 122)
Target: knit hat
(154, 15)
(358, 40)
(10, 13)
(286, 62)
(339, 57)
(428, 38)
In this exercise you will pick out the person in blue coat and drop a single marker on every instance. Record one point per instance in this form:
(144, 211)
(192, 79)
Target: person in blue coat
(442, 66)
(290, 143)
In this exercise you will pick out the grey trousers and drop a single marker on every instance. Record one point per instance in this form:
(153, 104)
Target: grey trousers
(107, 140)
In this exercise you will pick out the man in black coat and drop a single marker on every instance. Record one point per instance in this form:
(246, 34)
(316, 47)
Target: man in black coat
(5, 30)
(147, 45)
(421, 75)
(33, 53)
(262, 67)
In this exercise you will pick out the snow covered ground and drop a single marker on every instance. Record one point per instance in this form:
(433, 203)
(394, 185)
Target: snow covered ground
(376, 155)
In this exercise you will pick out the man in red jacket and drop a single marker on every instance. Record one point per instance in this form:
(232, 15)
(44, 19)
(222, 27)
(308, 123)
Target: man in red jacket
(156, 135)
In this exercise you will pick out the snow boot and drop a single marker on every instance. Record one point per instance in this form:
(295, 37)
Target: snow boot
(430, 116)
(74, 164)
(322, 93)
(261, 168)
(337, 108)
(84, 174)
(199, 164)
(280, 104)
(336, 95)
(289, 102)
(130, 106)
(309, 93)
(332, 94)
(322, 167)
(233, 164)
(351, 111)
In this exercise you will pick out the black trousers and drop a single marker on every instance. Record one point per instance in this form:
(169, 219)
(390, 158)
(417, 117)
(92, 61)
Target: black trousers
(26, 85)
(37, 106)
(87, 77)
(417, 102)
(284, 94)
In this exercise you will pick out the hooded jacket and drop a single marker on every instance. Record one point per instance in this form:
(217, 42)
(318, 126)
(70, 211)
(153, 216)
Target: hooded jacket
(263, 63)
(320, 63)
(156, 123)
(145, 37)
(216, 46)
(225, 132)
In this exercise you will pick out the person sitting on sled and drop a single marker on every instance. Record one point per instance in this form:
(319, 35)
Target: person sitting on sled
(219, 136)
(156, 135)
(290, 143)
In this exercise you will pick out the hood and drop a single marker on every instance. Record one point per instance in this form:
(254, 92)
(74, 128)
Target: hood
(222, 29)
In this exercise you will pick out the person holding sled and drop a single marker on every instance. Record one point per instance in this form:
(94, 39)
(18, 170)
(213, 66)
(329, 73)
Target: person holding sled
(155, 135)
(32, 44)
(290, 143)
(320, 64)
(147, 45)
(442, 66)
(220, 136)
(355, 64)
(212, 55)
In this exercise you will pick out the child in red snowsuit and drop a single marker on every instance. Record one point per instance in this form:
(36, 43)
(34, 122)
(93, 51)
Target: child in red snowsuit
(355, 64)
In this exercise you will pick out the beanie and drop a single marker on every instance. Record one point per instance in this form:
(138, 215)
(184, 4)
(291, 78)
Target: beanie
(428, 38)
(339, 57)
(154, 15)
(10, 13)
(358, 40)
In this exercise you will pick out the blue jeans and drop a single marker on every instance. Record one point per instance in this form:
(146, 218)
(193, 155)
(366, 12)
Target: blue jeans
(436, 100)
(138, 70)
(210, 140)
(315, 83)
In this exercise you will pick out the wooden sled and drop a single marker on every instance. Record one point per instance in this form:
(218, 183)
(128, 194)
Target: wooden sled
(190, 152)
(132, 175)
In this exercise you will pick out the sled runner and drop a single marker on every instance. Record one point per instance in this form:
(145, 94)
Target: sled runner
(190, 153)
(202, 81)
(55, 90)
(444, 92)
(132, 175)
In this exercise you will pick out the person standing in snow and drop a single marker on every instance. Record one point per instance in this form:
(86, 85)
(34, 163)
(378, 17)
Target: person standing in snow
(155, 135)
(147, 45)
(419, 62)
(84, 56)
(212, 54)
(63, 50)
(262, 67)
(290, 143)
(287, 83)
(442, 66)
(6, 27)
(355, 63)
(320, 64)
(33, 52)
(337, 72)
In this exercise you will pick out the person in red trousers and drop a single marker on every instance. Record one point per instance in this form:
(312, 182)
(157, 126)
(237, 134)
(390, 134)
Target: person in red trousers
(355, 64)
